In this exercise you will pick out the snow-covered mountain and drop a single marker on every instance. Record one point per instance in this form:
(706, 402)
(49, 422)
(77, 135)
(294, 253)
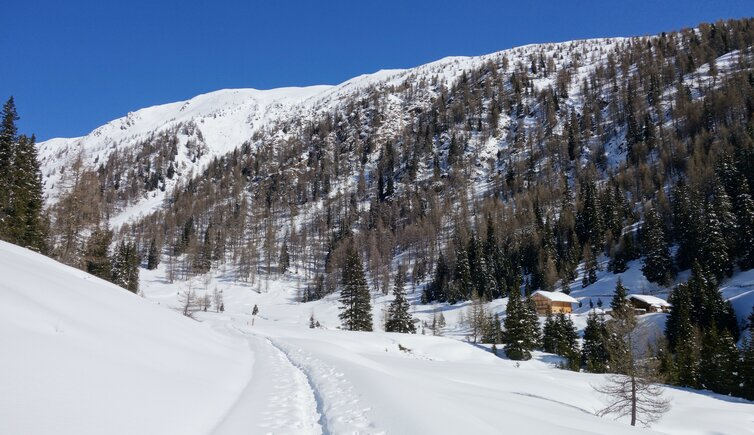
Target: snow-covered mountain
(214, 124)
(81, 356)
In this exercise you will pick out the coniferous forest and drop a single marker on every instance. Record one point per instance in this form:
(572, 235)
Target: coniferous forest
(533, 170)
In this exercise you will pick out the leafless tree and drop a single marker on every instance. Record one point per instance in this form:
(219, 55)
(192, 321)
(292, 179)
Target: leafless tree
(634, 396)
(633, 391)
(217, 299)
(188, 302)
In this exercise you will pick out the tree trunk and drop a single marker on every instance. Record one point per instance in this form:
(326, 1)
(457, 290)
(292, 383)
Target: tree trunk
(633, 400)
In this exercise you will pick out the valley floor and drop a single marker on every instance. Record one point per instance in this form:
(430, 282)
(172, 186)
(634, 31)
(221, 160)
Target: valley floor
(329, 381)
(82, 357)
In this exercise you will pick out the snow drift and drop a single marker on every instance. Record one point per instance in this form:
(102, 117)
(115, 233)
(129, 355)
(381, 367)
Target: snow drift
(82, 356)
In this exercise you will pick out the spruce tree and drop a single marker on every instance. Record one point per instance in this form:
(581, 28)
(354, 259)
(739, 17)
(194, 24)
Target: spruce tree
(568, 346)
(715, 253)
(594, 352)
(550, 335)
(719, 365)
(747, 367)
(356, 307)
(8, 138)
(658, 265)
(153, 256)
(26, 224)
(589, 223)
(464, 285)
(682, 337)
(559, 336)
(745, 225)
(96, 257)
(619, 303)
(521, 329)
(125, 267)
(687, 221)
(399, 317)
(22, 221)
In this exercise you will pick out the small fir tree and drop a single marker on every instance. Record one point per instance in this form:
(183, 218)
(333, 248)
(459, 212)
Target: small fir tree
(399, 317)
(594, 352)
(356, 307)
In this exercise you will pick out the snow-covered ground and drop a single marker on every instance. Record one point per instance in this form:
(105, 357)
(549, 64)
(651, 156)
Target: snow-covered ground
(81, 356)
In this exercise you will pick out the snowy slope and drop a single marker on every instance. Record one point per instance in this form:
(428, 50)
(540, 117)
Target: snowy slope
(363, 382)
(82, 356)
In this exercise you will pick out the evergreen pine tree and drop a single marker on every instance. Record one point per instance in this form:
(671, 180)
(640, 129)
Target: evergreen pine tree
(356, 307)
(153, 256)
(747, 367)
(22, 221)
(719, 365)
(568, 346)
(284, 260)
(521, 333)
(559, 336)
(658, 265)
(26, 224)
(399, 318)
(96, 257)
(715, 253)
(464, 286)
(745, 225)
(594, 352)
(619, 303)
(550, 335)
(125, 267)
(683, 337)
(8, 138)
(589, 223)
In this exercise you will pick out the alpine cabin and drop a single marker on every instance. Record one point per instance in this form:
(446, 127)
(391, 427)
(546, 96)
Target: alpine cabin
(552, 302)
(648, 304)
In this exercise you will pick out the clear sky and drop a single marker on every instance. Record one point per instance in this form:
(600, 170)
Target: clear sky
(74, 65)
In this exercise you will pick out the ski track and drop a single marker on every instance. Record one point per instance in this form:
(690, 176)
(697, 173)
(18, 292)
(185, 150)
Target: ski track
(278, 398)
(338, 403)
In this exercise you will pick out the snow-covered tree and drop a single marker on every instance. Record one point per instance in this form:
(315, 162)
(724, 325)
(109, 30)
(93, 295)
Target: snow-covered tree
(658, 265)
(522, 334)
(559, 336)
(594, 353)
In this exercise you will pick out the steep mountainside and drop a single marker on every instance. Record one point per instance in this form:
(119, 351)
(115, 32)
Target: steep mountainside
(523, 164)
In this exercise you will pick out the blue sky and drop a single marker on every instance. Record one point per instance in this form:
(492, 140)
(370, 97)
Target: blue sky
(74, 65)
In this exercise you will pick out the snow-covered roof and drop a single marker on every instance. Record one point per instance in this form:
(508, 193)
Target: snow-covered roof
(556, 296)
(650, 300)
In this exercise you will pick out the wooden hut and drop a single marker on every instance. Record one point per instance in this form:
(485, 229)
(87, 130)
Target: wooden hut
(552, 302)
(648, 304)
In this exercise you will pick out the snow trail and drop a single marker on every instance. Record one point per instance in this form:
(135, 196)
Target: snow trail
(278, 398)
(338, 401)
